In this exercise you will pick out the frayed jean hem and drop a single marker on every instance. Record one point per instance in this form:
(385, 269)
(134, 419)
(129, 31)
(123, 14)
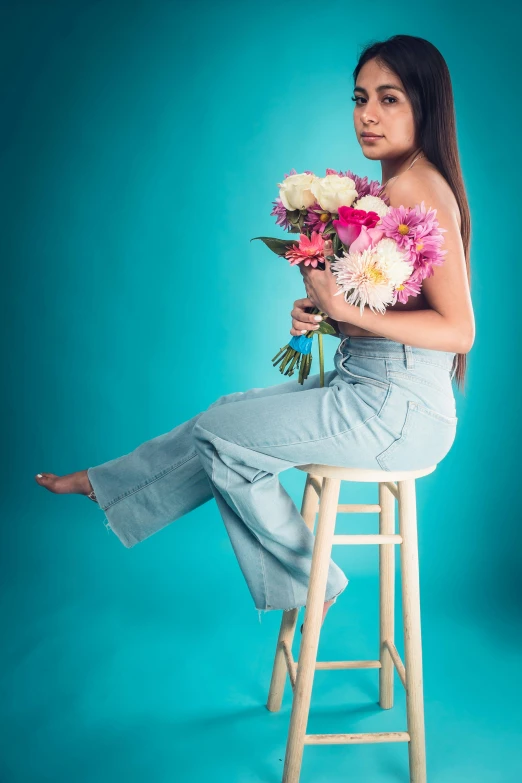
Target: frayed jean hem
(279, 609)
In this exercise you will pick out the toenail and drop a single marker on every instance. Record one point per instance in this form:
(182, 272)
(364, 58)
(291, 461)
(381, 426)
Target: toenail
(39, 475)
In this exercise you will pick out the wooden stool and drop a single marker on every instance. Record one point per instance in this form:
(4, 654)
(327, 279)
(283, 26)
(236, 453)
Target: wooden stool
(321, 493)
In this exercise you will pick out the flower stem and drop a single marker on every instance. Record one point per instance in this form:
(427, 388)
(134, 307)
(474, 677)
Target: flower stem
(321, 360)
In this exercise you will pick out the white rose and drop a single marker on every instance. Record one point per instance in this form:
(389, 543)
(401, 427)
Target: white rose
(372, 204)
(295, 191)
(334, 191)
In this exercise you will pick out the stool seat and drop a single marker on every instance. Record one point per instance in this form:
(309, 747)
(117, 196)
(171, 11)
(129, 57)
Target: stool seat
(364, 474)
(321, 500)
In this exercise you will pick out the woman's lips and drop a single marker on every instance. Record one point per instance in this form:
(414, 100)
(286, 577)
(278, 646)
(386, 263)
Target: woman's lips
(371, 138)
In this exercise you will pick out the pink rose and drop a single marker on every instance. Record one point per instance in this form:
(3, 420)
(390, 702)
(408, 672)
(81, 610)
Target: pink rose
(356, 228)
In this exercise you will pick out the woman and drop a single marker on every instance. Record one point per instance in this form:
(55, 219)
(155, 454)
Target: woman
(388, 403)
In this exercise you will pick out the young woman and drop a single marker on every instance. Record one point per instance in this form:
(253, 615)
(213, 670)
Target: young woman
(388, 403)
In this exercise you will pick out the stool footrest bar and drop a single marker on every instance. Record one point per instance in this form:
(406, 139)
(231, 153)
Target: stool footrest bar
(353, 739)
(347, 664)
(372, 538)
(396, 658)
(291, 665)
(392, 487)
(358, 508)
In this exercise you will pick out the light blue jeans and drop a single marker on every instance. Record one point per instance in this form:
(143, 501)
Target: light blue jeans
(385, 405)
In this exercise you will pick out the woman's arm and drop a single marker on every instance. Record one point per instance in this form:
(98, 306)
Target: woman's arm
(448, 324)
(420, 328)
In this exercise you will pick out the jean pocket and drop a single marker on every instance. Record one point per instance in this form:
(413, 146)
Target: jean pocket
(373, 392)
(364, 371)
(426, 437)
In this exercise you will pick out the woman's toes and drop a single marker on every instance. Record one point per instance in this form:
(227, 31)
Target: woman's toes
(72, 483)
(46, 479)
(43, 478)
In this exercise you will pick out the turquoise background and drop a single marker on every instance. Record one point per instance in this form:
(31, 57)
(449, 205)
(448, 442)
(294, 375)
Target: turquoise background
(141, 147)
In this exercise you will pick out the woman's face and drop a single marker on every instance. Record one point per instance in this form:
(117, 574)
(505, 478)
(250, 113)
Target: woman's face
(382, 110)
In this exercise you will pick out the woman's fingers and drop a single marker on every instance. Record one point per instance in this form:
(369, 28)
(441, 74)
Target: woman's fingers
(302, 321)
(307, 318)
(303, 303)
(299, 310)
(303, 328)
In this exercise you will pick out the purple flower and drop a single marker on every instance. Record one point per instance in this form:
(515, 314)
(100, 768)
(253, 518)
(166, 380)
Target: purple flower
(317, 218)
(280, 213)
(365, 188)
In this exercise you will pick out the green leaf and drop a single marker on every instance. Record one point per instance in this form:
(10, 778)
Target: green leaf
(337, 244)
(326, 328)
(294, 218)
(278, 246)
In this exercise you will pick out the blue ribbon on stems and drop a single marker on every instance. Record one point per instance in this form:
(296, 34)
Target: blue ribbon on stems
(301, 343)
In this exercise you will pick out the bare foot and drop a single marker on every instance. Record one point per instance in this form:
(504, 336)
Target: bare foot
(73, 483)
(326, 606)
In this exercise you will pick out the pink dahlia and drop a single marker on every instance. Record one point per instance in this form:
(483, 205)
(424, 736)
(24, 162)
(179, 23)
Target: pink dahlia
(427, 250)
(410, 287)
(423, 265)
(400, 224)
(309, 251)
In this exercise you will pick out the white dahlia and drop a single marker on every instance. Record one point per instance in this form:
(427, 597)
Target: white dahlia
(393, 260)
(372, 204)
(370, 277)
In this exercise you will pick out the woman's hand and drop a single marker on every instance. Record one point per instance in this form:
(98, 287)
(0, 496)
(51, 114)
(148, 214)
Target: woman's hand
(320, 288)
(302, 321)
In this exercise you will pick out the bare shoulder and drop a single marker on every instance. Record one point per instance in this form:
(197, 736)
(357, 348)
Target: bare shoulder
(424, 183)
(447, 290)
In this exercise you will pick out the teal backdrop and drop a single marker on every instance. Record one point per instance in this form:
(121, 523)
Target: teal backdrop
(141, 147)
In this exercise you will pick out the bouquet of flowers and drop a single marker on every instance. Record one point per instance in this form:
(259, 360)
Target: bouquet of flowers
(378, 253)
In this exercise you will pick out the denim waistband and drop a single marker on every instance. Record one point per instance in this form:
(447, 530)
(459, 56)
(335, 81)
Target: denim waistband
(384, 348)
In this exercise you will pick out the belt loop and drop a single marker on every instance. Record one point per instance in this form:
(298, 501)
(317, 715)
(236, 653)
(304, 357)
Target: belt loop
(410, 363)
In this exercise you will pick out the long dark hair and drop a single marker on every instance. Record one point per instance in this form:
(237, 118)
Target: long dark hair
(426, 79)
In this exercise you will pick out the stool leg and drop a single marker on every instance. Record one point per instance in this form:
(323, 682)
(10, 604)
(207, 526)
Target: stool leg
(312, 629)
(386, 596)
(412, 629)
(309, 508)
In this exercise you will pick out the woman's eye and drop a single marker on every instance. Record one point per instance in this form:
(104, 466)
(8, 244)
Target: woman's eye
(388, 97)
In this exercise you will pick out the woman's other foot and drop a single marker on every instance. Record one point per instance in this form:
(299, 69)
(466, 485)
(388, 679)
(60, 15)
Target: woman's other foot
(326, 606)
(73, 483)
